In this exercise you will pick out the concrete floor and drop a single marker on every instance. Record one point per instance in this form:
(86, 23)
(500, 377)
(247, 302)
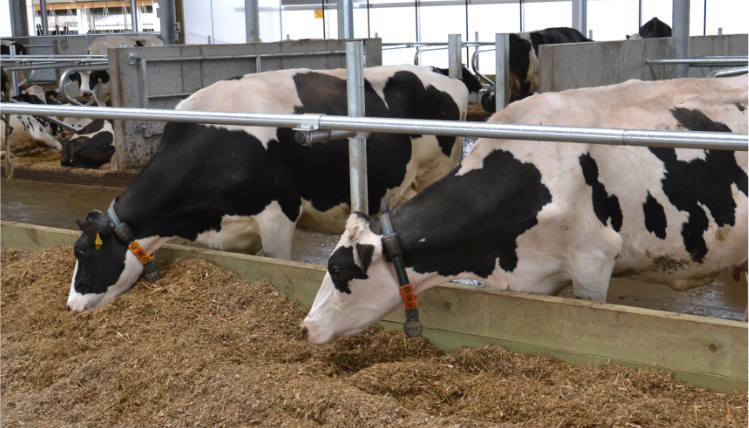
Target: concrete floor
(59, 205)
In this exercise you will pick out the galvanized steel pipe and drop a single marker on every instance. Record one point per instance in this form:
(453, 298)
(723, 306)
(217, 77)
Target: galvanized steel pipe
(700, 62)
(357, 147)
(629, 137)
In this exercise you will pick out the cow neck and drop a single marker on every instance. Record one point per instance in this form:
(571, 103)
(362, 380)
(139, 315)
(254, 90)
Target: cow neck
(393, 252)
(125, 235)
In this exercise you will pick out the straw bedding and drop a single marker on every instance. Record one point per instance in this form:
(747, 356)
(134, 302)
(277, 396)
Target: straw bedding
(203, 348)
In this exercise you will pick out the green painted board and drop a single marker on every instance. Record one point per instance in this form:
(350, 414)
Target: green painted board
(706, 352)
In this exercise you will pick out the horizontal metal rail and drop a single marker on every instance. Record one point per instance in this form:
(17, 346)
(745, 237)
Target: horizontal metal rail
(626, 137)
(727, 72)
(701, 62)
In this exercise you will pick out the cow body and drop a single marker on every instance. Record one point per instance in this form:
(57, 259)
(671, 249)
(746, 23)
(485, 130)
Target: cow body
(524, 61)
(96, 83)
(652, 29)
(537, 216)
(90, 147)
(5, 46)
(29, 132)
(243, 188)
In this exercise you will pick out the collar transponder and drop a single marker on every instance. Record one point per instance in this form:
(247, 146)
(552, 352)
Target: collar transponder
(393, 252)
(125, 235)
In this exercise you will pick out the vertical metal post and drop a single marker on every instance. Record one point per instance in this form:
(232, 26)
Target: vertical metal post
(134, 16)
(580, 15)
(357, 147)
(454, 56)
(345, 10)
(167, 19)
(43, 14)
(502, 58)
(13, 75)
(17, 18)
(252, 20)
(681, 36)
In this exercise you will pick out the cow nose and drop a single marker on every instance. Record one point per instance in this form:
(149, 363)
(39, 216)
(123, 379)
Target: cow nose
(304, 333)
(69, 308)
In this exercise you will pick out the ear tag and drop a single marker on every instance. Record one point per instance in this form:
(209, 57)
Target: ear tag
(99, 79)
(98, 242)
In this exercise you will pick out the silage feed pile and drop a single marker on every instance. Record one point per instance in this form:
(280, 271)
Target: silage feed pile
(203, 348)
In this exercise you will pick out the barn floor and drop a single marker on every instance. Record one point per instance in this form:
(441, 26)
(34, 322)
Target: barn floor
(203, 348)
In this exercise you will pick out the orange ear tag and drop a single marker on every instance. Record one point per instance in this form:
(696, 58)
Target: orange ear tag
(98, 242)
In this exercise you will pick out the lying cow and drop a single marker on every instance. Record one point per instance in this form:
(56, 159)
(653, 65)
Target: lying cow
(537, 216)
(91, 147)
(96, 83)
(652, 29)
(524, 61)
(29, 132)
(243, 188)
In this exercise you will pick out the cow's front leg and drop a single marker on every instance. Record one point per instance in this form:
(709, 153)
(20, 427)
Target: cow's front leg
(276, 231)
(591, 265)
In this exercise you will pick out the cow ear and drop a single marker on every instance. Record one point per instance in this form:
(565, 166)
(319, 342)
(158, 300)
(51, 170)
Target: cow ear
(92, 225)
(89, 228)
(365, 252)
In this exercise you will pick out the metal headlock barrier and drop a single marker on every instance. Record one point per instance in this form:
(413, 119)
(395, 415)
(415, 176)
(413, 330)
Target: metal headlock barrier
(312, 122)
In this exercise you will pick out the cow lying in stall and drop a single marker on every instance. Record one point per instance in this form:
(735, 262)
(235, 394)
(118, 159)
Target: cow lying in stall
(243, 188)
(90, 147)
(524, 61)
(537, 216)
(96, 83)
(27, 133)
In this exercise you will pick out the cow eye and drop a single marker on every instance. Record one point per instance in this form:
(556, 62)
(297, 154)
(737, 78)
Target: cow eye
(335, 271)
(80, 253)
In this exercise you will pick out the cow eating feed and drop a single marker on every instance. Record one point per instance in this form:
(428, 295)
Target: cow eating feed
(537, 216)
(243, 188)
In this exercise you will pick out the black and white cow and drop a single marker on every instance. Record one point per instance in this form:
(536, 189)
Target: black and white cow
(537, 216)
(652, 29)
(524, 61)
(30, 132)
(96, 83)
(91, 147)
(243, 188)
(5, 46)
(469, 79)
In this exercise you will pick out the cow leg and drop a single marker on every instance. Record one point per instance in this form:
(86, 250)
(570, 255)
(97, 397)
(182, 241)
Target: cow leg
(47, 140)
(591, 266)
(276, 231)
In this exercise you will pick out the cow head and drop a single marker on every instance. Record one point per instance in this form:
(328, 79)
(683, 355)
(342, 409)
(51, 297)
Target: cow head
(359, 288)
(88, 80)
(104, 267)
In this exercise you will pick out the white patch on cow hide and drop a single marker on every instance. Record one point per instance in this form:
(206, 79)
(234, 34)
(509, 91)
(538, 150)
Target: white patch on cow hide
(688, 155)
(238, 233)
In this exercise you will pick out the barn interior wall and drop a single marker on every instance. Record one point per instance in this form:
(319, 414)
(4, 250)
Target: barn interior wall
(165, 83)
(580, 65)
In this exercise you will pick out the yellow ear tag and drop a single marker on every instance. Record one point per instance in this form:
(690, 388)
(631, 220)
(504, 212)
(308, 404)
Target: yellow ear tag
(99, 80)
(98, 242)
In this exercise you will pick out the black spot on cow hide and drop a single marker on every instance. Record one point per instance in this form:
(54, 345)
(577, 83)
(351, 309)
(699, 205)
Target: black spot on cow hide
(695, 120)
(655, 217)
(605, 206)
(343, 269)
(439, 227)
(699, 183)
